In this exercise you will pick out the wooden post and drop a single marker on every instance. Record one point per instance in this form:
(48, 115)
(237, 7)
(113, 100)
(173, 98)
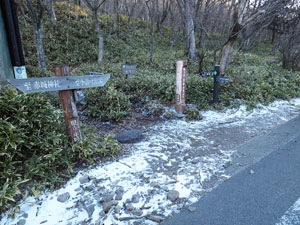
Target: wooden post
(181, 66)
(69, 107)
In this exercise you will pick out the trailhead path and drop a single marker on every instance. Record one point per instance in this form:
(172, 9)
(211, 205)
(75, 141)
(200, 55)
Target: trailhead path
(176, 164)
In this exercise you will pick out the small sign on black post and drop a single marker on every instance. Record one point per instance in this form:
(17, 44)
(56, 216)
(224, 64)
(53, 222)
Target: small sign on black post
(128, 69)
(217, 79)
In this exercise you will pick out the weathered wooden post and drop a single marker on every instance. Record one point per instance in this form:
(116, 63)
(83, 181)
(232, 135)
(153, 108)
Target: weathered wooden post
(69, 107)
(181, 66)
(65, 85)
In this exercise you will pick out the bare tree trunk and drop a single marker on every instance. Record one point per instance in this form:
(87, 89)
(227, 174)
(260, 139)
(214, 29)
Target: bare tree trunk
(38, 35)
(190, 30)
(152, 16)
(100, 36)
(78, 2)
(183, 19)
(152, 30)
(139, 11)
(68, 23)
(51, 11)
(228, 49)
(187, 11)
(239, 23)
(203, 35)
(94, 6)
(130, 12)
(117, 12)
(175, 35)
(37, 23)
(165, 12)
(23, 13)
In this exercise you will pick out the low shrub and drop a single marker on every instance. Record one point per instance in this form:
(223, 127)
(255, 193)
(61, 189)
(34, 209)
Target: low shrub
(34, 147)
(193, 114)
(107, 103)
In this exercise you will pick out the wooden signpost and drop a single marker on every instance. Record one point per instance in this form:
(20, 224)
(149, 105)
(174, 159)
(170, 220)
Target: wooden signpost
(217, 79)
(181, 66)
(65, 84)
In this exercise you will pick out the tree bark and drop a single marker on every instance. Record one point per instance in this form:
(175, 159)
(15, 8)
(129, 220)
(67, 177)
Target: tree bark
(94, 6)
(37, 23)
(23, 13)
(51, 11)
(190, 30)
(228, 48)
(187, 11)
(117, 12)
(152, 30)
(152, 16)
(239, 23)
(38, 34)
(164, 14)
(100, 36)
(203, 35)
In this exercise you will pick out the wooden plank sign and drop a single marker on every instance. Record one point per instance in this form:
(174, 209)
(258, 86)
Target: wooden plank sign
(128, 69)
(223, 79)
(44, 84)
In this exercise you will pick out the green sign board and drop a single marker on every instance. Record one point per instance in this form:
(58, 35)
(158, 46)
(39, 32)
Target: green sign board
(6, 70)
(129, 69)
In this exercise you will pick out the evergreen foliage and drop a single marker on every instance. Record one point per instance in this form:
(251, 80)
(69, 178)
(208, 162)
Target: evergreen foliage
(34, 148)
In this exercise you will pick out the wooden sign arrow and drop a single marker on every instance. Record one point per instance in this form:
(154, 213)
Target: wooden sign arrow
(44, 84)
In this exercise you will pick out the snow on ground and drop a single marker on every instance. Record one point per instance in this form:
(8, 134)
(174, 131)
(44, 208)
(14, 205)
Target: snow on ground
(292, 216)
(176, 163)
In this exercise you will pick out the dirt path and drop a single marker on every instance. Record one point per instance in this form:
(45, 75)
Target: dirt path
(176, 163)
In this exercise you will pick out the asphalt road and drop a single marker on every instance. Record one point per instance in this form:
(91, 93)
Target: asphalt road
(259, 198)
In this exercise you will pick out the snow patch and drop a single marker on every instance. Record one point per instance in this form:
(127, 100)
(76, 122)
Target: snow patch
(176, 155)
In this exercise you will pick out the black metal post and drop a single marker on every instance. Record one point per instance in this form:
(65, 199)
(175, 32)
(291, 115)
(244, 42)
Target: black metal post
(216, 85)
(10, 18)
(127, 75)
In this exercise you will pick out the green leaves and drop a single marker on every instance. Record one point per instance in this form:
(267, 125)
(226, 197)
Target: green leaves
(33, 145)
(107, 103)
(28, 124)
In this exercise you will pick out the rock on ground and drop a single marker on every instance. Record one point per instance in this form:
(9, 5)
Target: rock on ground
(63, 197)
(192, 208)
(21, 222)
(129, 136)
(108, 205)
(84, 179)
(173, 195)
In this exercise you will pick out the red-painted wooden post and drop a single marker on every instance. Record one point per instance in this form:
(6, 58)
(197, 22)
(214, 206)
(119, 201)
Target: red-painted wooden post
(181, 67)
(69, 107)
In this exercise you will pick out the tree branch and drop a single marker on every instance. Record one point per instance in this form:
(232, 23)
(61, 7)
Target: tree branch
(253, 17)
